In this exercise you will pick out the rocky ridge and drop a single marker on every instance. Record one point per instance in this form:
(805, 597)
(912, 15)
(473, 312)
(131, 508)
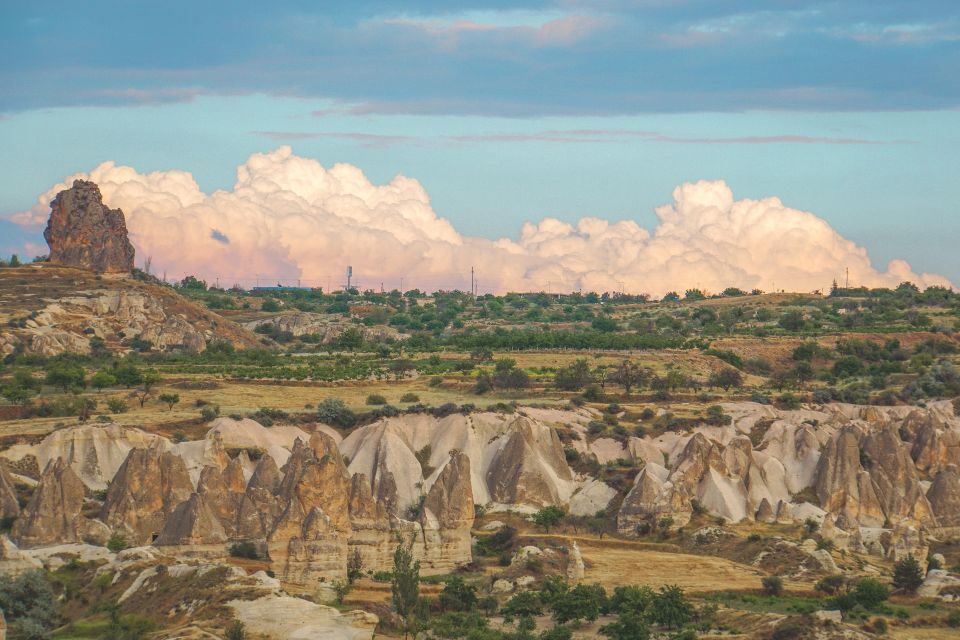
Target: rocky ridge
(48, 310)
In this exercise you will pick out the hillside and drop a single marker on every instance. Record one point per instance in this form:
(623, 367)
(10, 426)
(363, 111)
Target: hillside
(48, 309)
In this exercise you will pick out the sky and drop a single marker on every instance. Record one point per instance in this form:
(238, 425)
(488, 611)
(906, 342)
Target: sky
(507, 115)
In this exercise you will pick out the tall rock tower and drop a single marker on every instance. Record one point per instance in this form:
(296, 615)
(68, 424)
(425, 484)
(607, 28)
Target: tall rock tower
(83, 233)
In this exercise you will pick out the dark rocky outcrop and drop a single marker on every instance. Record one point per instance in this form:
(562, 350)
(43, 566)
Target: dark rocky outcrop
(84, 233)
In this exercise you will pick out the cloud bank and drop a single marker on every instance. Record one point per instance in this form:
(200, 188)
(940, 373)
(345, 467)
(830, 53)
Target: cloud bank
(288, 217)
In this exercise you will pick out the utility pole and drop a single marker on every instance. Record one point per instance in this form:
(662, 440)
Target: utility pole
(401, 285)
(847, 285)
(473, 292)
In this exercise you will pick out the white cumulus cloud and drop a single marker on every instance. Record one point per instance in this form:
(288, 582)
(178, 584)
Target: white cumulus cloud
(288, 217)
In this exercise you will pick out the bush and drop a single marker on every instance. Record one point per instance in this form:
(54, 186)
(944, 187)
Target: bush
(375, 399)
(334, 411)
(117, 543)
(210, 413)
(235, 631)
(953, 620)
(871, 593)
(409, 397)
(246, 550)
(458, 596)
(830, 584)
(29, 604)
(116, 405)
(772, 585)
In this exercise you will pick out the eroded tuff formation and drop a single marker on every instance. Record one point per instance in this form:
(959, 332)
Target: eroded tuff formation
(307, 516)
(879, 480)
(84, 233)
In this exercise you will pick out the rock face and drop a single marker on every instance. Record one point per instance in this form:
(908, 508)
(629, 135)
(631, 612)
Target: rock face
(146, 490)
(9, 507)
(83, 233)
(53, 515)
(878, 479)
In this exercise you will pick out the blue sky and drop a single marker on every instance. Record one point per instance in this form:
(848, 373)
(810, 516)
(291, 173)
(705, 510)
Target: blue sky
(509, 112)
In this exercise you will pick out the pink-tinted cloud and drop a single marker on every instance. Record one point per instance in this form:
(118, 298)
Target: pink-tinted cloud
(290, 217)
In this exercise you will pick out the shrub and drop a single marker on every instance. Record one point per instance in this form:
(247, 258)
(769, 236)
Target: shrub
(246, 550)
(210, 413)
(235, 631)
(29, 604)
(435, 381)
(116, 405)
(117, 543)
(409, 397)
(830, 584)
(375, 399)
(772, 585)
(953, 620)
(334, 411)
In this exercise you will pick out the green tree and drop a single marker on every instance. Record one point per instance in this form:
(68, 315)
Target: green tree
(670, 607)
(67, 376)
(548, 517)
(457, 595)
(102, 379)
(149, 379)
(726, 378)
(405, 582)
(169, 399)
(871, 593)
(127, 375)
(907, 575)
(629, 625)
(525, 603)
(584, 602)
(350, 340)
(629, 375)
(29, 605)
(574, 377)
